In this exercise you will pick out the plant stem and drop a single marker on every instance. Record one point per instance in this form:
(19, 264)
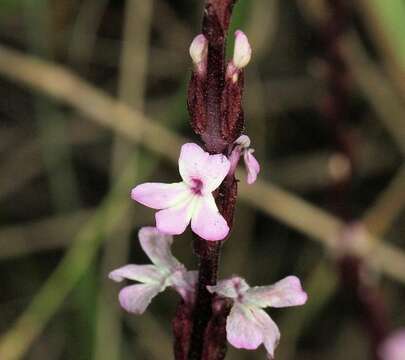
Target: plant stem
(209, 254)
(216, 20)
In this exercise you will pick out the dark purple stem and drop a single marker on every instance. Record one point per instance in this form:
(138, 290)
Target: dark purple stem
(217, 14)
(208, 273)
(214, 104)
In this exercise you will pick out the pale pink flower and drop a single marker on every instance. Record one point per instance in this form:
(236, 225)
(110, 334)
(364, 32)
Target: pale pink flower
(248, 325)
(393, 347)
(165, 271)
(242, 147)
(190, 200)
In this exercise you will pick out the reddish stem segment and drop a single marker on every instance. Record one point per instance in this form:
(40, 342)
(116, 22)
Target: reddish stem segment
(200, 327)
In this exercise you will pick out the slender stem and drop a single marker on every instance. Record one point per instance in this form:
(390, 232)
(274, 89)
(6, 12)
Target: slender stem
(215, 84)
(208, 272)
(132, 84)
(216, 20)
(209, 254)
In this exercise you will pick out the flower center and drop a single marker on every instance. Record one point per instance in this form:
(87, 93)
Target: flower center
(237, 284)
(196, 186)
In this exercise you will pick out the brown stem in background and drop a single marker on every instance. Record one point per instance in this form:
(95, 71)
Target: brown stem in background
(337, 111)
(367, 300)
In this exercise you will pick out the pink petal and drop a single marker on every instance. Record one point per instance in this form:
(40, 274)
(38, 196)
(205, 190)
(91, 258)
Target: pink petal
(157, 246)
(252, 166)
(286, 292)
(248, 327)
(142, 273)
(230, 288)
(242, 331)
(207, 222)
(234, 159)
(270, 331)
(136, 298)
(159, 195)
(215, 170)
(184, 283)
(191, 159)
(196, 164)
(174, 220)
(393, 347)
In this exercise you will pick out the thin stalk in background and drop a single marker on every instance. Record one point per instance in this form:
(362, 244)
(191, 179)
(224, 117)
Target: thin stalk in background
(337, 111)
(134, 57)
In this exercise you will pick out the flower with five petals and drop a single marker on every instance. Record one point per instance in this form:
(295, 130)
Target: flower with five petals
(165, 271)
(190, 200)
(248, 325)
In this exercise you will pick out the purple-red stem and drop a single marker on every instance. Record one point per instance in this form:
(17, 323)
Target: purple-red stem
(208, 118)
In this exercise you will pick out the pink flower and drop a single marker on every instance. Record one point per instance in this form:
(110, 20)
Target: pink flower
(252, 165)
(393, 347)
(165, 271)
(248, 325)
(190, 200)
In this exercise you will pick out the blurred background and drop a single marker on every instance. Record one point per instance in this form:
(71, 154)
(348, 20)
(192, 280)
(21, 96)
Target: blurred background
(324, 107)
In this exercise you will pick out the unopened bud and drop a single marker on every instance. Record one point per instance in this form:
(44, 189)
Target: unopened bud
(243, 141)
(199, 49)
(242, 51)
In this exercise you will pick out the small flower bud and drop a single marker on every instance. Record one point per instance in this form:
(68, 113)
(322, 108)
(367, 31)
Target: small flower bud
(198, 50)
(243, 141)
(242, 51)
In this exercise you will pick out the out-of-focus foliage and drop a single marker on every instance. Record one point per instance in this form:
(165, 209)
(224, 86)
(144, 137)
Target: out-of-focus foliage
(65, 211)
